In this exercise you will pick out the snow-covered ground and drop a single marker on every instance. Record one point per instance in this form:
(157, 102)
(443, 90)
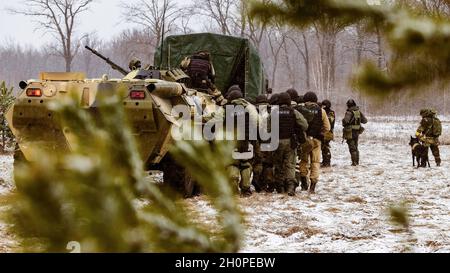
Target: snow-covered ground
(349, 213)
(6, 185)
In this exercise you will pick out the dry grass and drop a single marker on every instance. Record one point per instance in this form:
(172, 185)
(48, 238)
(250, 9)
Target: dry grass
(306, 230)
(433, 244)
(333, 210)
(356, 199)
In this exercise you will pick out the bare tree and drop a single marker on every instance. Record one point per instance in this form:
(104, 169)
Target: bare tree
(58, 17)
(249, 27)
(156, 16)
(87, 57)
(221, 12)
(276, 40)
(300, 41)
(326, 35)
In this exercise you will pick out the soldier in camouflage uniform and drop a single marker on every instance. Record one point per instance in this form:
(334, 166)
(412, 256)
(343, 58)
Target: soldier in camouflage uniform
(352, 129)
(274, 99)
(135, 64)
(241, 170)
(290, 122)
(297, 101)
(319, 125)
(263, 161)
(328, 137)
(201, 71)
(429, 131)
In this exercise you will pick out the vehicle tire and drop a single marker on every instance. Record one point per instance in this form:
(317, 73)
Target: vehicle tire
(177, 178)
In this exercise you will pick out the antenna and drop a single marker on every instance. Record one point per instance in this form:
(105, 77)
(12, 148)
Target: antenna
(165, 5)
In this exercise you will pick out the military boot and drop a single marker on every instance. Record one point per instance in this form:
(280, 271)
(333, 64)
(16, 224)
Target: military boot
(280, 189)
(304, 181)
(325, 164)
(291, 187)
(438, 162)
(247, 192)
(354, 159)
(270, 188)
(312, 188)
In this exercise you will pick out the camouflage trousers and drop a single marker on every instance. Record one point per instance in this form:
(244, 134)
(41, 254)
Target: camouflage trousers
(353, 148)
(326, 152)
(240, 174)
(310, 163)
(436, 154)
(262, 170)
(434, 143)
(284, 159)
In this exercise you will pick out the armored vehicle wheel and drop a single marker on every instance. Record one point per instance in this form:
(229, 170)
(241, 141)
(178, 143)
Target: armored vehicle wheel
(178, 178)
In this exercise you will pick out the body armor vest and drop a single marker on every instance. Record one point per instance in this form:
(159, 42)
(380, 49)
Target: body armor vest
(287, 122)
(199, 69)
(356, 122)
(315, 126)
(239, 116)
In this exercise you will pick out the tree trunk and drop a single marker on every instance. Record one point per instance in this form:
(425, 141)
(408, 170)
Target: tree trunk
(380, 49)
(68, 63)
(307, 62)
(359, 45)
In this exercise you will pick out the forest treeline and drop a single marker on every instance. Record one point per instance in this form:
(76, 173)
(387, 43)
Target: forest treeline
(319, 58)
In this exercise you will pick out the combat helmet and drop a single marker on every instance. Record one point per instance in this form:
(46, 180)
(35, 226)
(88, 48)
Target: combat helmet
(327, 104)
(351, 103)
(135, 64)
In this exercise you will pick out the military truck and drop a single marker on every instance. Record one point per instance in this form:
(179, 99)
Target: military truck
(235, 60)
(152, 94)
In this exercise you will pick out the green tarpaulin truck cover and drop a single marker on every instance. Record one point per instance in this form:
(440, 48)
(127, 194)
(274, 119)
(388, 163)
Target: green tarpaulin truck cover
(235, 60)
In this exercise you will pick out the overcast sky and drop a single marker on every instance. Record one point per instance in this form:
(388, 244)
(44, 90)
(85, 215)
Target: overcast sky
(103, 18)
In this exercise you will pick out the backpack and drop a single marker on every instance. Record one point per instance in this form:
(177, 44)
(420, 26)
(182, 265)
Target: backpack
(436, 128)
(307, 113)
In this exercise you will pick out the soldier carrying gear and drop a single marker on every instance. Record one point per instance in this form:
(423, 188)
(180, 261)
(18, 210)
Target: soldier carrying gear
(135, 64)
(291, 122)
(263, 161)
(274, 99)
(328, 137)
(353, 129)
(294, 96)
(429, 131)
(241, 169)
(319, 125)
(201, 71)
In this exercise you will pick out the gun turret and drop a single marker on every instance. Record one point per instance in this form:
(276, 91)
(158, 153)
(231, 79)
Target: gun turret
(108, 61)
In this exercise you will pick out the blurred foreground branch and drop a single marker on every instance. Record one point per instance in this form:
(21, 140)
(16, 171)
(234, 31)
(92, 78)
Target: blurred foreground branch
(91, 195)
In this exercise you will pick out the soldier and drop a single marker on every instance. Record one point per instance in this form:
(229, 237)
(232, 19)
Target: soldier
(296, 101)
(201, 71)
(328, 137)
(294, 96)
(290, 123)
(352, 129)
(241, 170)
(429, 131)
(135, 64)
(274, 99)
(263, 162)
(319, 125)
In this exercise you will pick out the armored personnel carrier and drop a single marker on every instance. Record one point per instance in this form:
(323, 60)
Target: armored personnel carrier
(152, 94)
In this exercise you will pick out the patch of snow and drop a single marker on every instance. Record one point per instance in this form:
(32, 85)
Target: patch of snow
(349, 213)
